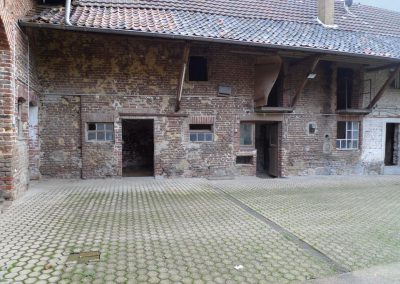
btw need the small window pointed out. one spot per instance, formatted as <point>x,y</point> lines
<point>312,128</point>
<point>20,131</point>
<point>396,82</point>
<point>100,131</point>
<point>246,134</point>
<point>198,68</point>
<point>201,132</point>
<point>347,135</point>
<point>244,160</point>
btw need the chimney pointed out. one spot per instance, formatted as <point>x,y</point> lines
<point>326,10</point>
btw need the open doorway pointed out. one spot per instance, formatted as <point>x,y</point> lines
<point>267,145</point>
<point>392,144</point>
<point>137,147</point>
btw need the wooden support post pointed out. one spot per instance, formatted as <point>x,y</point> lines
<point>315,60</point>
<point>185,60</point>
<point>384,88</point>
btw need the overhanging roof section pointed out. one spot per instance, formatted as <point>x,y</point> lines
<point>242,22</point>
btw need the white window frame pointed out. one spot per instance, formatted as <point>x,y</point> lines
<point>201,133</point>
<point>101,128</point>
<point>352,136</point>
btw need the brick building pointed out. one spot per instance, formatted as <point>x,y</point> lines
<point>197,89</point>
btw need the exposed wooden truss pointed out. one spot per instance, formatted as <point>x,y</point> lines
<point>314,62</point>
<point>384,87</point>
<point>185,59</point>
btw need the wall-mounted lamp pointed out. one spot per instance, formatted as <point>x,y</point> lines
<point>311,76</point>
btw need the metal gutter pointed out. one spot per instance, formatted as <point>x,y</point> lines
<point>201,39</point>
<point>67,12</point>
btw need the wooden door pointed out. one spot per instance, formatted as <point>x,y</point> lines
<point>273,150</point>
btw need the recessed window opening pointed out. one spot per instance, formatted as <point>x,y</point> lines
<point>100,131</point>
<point>201,132</point>
<point>20,131</point>
<point>274,98</point>
<point>244,160</point>
<point>347,135</point>
<point>198,68</point>
<point>396,82</point>
<point>246,134</point>
<point>344,93</point>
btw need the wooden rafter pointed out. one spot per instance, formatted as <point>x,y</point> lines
<point>384,87</point>
<point>314,62</point>
<point>185,59</point>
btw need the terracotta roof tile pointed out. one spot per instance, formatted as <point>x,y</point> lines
<point>290,23</point>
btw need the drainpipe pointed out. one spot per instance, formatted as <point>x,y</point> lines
<point>67,12</point>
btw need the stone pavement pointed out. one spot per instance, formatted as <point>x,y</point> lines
<point>355,221</point>
<point>199,231</point>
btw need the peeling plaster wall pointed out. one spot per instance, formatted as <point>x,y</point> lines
<point>387,110</point>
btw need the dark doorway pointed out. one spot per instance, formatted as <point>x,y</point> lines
<point>344,88</point>
<point>137,147</point>
<point>267,145</point>
<point>391,144</point>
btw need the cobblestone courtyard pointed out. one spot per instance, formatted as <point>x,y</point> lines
<point>246,230</point>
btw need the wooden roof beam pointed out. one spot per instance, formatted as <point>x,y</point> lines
<point>384,87</point>
<point>185,61</point>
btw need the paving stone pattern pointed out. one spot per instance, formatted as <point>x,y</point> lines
<point>148,231</point>
<point>353,220</point>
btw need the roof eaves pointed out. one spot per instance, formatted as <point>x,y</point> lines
<point>203,39</point>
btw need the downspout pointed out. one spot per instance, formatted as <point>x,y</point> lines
<point>67,12</point>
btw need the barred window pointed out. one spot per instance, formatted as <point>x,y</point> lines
<point>348,133</point>
<point>100,131</point>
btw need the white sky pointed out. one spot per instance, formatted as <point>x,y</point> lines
<point>387,4</point>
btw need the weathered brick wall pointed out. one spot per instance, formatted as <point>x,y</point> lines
<point>132,78</point>
<point>14,80</point>
<point>60,136</point>
<point>315,154</point>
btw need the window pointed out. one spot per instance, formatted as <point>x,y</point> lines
<point>396,82</point>
<point>347,135</point>
<point>244,160</point>
<point>201,132</point>
<point>100,131</point>
<point>198,69</point>
<point>19,118</point>
<point>344,88</point>
<point>246,134</point>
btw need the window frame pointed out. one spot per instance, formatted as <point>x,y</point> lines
<point>396,82</point>
<point>207,68</point>
<point>96,131</point>
<point>204,132</point>
<point>349,140</point>
<point>20,130</point>
<point>252,145</point>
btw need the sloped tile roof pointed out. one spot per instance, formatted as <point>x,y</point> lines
<point>280,23</point>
